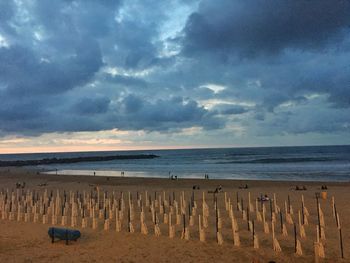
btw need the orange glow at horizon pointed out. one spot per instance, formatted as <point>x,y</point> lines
<point>58,149</point>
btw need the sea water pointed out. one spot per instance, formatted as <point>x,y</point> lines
<point>309,163</point>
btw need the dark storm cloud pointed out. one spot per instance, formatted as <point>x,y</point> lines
<point>311,119</point>
<point>23,74</point>
<point>20,110</point>
<point>127,81</point>
<point>257,26</point>
<point>234,110</point>
<point>6,10</point>
<point>164,114</point>
<point>133,47</point>
<point>91,106</point>
<point>95,65</point>
<point>293,48</point>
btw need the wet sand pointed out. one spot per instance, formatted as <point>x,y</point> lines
<point>29,242</point>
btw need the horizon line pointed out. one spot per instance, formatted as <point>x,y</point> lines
<point>172,148</point>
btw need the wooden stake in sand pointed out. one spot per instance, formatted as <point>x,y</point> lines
<point>340,237</point>
<point>249,222</point>
<point>258,214</point>
<point>27,214</point>
<point>190,217</point>
<point>45,219</point>
<point>146,198</point>
<point>276,207</point>
<point>94,221</point>
<point>321,223</point>
<point>255,237</point>
<point>64,218</point>
<point>36,215</point>
<point>19,212</point>
<point>275,243</point>
<point>219,238</point>
<point>157,232</point>
<point>130,225</point>
<point>118,224</point>
<point>165,217</point>
<point>301,226</point>
<point>84,222</point>
<point>290,208</point>
<point>205,212</point>
<point>305,212</point>
<point>219,219</point>
<point>171,227</point>
<point>336,216</point>
<point>185,232</point>
<point>144,229</point>
<point>297,245</point>
<point>250,205</point>
<point>106,221</point>
<point>318,247</point>
<point>281,222</point>
<point>201,230</point>
<point>283,226</point>
<point>289,218</point>
<point>271,212</point>
<point>319,219</point>
<point>236,239</point>
<point>266,225</point>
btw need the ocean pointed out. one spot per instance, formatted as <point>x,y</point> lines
<point>309,163</point>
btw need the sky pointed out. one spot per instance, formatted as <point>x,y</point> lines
<point>85,75</point>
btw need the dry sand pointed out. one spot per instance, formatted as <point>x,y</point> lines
<point>29,242</point>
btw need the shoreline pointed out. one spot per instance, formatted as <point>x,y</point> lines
<point>105,179</point>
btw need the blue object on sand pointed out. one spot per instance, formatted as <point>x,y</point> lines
<point>64,234</point>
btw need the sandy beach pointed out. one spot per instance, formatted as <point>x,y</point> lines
<point>29,242</point>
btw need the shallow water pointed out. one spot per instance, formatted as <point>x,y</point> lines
<point>313,163</point>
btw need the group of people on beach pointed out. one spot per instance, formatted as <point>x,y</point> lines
<point>174,177</point>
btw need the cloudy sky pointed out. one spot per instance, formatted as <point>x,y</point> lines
<point>144,74</point>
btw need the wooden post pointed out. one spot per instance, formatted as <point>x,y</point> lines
<point>341,243</point>
<point>129,221</point>
<point>302,211</point>
<point>184,226</point>
<point>281,219</point>
<point>276,245</point>
<point>218,233</point>
<point>248,219</point>
<point>336,216</point>
<point>271,209</point>
<point>295,238</point>
<point>318,217</point>
<point>253,230</point>
<point>302,233</point>
<point>266,225</point>
<point>288,204</point>
<point>201,230</point>
<point>251,208</point>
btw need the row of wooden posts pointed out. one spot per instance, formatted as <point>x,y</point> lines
<point>95,206</point>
